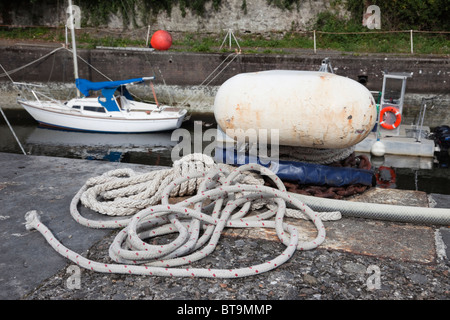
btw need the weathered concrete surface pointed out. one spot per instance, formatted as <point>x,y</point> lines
<point>44,184</point>
<point>48,184</point>
<point>363,237</point>
<point>394,197</point>
<point>401,241</point>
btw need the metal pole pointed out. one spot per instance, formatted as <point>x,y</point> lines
<point>74,45</point>
<point>6,119</point>
<point>411,39</point>
<point>14,134</point>
<point>148,36</point>
<point>234,37</point>
<point>314,41</point>
<point>67,38</point>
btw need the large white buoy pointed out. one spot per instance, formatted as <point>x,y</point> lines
<point>308,108</point>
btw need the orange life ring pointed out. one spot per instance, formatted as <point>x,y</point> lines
<point>398,118</point>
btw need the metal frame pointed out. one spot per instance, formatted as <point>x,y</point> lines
<point>403,76</point>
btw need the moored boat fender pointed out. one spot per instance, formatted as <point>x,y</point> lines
<point>385,177</point>
<point>308,108</point>
<point>398,118</point>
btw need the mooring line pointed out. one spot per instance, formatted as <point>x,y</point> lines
<point>220,202</point>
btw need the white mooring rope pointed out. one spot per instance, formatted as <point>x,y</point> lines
<point>139,203</point>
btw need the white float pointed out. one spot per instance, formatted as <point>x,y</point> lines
<point>308,108</point>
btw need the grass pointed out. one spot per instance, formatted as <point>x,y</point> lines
<point>372,42</point>
<point>271,43</point>
<point>368,42</point>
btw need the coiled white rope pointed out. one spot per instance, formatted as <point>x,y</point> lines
<point>123,192</point>
<point>221,201</point>
<point>314,155</point>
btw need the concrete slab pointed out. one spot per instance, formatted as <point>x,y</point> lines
<point>445,237</point>
<point>439,200</point>
<point>393,197</point>
<point>45,184</point>
<point>398,241</point>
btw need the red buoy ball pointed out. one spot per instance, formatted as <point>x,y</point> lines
<point>161,40</point>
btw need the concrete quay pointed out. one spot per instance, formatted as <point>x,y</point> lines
<point>411,260</point>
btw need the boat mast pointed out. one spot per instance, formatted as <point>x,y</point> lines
<point>74,45</point>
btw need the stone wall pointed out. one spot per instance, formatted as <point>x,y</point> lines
<point>258,17</point>
<point>430,74</point>
<point>179,74</point>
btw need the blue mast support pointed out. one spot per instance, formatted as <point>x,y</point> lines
<point>108,101</point>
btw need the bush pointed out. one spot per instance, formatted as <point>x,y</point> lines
<point>407,14</point>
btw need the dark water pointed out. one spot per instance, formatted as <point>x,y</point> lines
<point>156,148</point>
<point>145,148</point>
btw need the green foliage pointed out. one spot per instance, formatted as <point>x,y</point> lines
<point>98,11</point>
<point>371,41</point>
<point>197,43</point>
<point>274,41</point>
<point>40,33</point>
<point>330,22</point>
<point>407,14</point>
<point>284,4</point>
<point>395,14</point>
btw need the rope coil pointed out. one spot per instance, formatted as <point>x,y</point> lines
<point>221,202</point>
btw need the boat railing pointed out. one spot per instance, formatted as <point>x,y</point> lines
<point>28,91</point>
<point>418,128</point>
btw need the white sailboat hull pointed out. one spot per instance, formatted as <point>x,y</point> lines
<point>134,122</point>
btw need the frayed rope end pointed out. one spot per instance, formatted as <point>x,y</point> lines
<point>32,218</point>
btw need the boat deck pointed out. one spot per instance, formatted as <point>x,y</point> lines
<point>404,144</point>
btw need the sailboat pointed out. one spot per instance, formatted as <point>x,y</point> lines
<point>112,110</point>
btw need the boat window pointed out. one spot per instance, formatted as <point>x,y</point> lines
<point>76,107</point>
<point>393,90</point>
<point>95,109</point>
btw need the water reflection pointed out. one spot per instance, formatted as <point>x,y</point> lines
<point>142,148</point>
<point>97,146</point>
<point>156,148</point>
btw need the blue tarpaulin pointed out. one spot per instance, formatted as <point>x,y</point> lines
<point>301,172</point>
<point>85,85</point>
<point>108,89</point>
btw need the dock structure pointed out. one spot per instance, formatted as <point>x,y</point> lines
<point>405,144</point>
<point>48,184</point>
